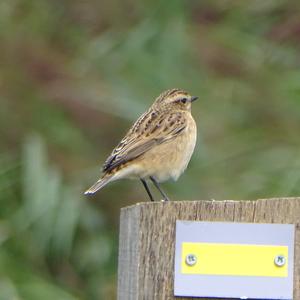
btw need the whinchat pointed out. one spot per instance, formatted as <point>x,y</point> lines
<point>158,146</point>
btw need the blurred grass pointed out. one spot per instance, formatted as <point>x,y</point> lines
<point>74,75</point>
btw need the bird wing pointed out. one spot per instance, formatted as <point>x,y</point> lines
<point>149,130</point>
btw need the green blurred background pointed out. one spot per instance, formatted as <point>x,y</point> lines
<point>74,75</point>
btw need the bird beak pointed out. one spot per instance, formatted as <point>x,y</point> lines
<point>194,98</point>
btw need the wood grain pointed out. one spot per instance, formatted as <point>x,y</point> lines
<point>147,239</point>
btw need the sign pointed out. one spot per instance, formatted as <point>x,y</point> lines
<point>234,260</point>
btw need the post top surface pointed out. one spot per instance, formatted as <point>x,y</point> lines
<point>204,201</point>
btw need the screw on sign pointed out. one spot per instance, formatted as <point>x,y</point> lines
<point>279,260</point>
<point>191,259</point>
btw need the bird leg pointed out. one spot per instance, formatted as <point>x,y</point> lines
<point>147,189</point>
<point>159,188</point>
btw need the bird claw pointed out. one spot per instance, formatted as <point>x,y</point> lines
<point>164,200</point>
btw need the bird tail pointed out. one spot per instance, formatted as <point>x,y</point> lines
<point>98,185</point>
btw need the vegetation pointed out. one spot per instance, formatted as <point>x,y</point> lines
<point>74,75</point>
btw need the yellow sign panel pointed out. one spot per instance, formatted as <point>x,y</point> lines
<point>234,259</point>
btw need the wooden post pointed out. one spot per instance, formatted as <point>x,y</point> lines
<point>147,236</point>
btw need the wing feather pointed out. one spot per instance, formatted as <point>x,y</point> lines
<point>149,130</point>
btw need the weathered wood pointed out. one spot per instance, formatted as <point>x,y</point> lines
<point>147,236</point>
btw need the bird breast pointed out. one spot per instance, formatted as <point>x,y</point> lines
<point>170,159</point>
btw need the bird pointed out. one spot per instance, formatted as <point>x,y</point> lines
<point>157,147</point>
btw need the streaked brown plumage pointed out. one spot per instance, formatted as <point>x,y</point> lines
<point>158,146</point>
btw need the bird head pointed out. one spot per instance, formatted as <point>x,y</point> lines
<point>174,99</point>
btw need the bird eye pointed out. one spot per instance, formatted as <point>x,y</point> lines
<point>183,100</point>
